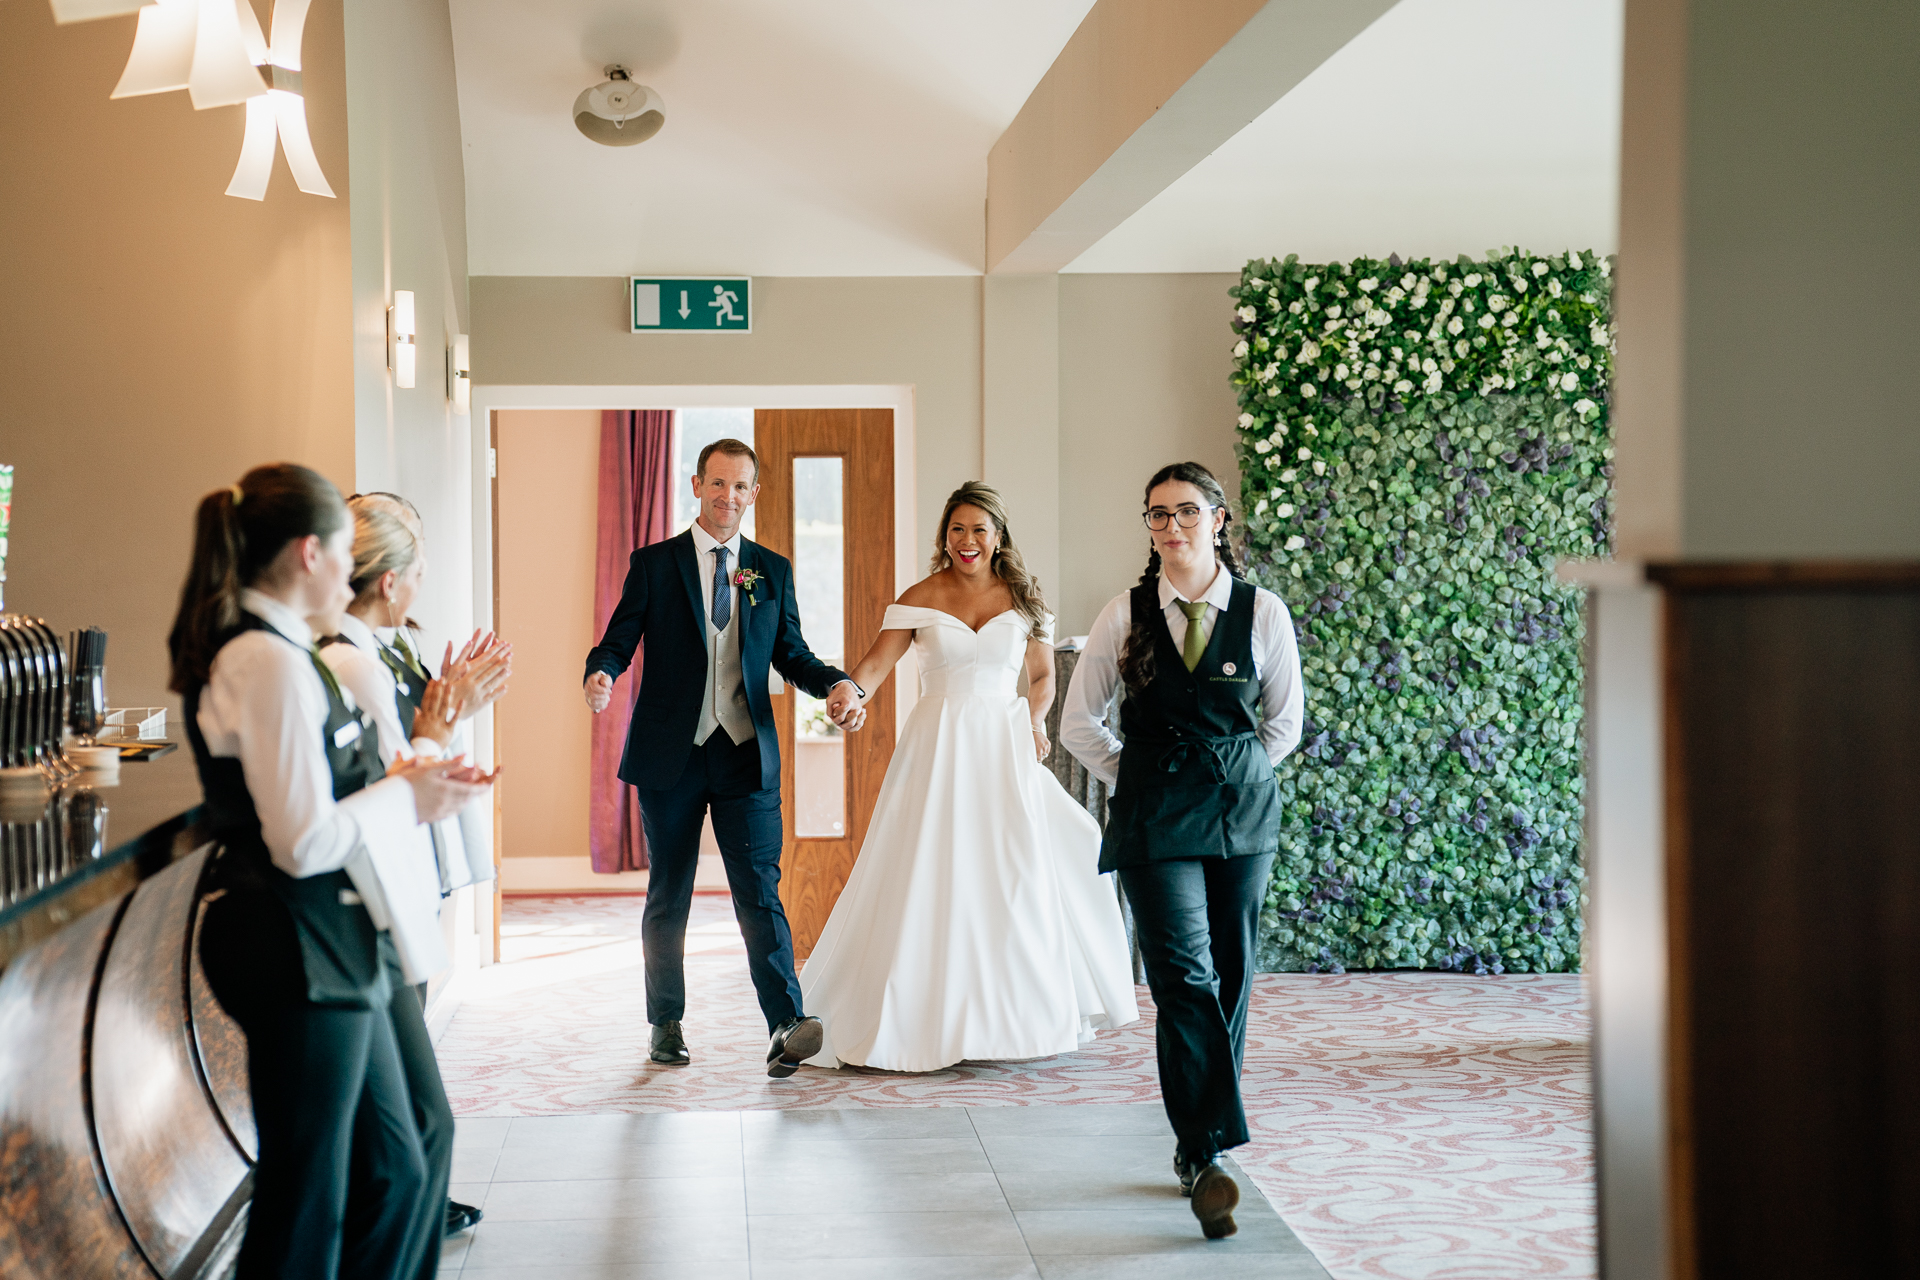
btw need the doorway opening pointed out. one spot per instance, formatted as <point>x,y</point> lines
<point>537,570</point>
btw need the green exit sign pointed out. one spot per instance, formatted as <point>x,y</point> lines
<point>691,304</point>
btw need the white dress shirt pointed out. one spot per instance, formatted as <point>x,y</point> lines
<point>265,705</point>
<point>703,548</point>
<point>1086,730</point>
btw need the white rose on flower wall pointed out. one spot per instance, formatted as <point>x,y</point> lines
<point>1295,543</point>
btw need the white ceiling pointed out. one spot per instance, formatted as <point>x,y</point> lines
<point>1447,127</point>
<point>849,137</point>
<point>835,137</point>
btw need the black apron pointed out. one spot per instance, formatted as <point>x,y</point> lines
<point>339,949</point>
<point>1194,780</point>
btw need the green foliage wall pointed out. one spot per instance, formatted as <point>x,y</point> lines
<point>1419,443</point>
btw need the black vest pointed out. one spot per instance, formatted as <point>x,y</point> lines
<point>338,943</point>
<point>1194,780</point>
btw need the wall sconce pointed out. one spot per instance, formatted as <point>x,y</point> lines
<point>460,375</point>
<point>400,349</point>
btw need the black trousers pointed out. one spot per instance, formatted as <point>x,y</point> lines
<point>725,778</point>
<point>432,1113</point>
<point>340,1191</point>
<point>1195,919</point>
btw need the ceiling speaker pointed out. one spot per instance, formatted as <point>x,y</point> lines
<point>618,112</point>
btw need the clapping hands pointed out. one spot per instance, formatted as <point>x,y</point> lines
<point>478,673</point>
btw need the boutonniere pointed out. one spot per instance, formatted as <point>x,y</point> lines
<point>749,580</point>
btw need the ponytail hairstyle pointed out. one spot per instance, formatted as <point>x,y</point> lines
<point>1136,658</point>
<point>1007,564</point>
<point>237,532</point>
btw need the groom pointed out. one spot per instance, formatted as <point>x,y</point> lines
<point>715,611</point>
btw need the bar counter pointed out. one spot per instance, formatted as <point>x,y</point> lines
<point>140,824</point>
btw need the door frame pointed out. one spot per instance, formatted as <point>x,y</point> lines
<point>909,556</point>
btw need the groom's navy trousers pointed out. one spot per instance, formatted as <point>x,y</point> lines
<point>725,778</point>
<point>678,781</point>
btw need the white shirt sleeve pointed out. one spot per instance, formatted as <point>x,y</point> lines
<point>265,705</point>
<point>1276,657</point>
<point>1084,730</point>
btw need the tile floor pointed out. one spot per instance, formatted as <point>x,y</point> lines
<point>914,1193</point>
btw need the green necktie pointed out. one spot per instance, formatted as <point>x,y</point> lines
<point>1196,641</point>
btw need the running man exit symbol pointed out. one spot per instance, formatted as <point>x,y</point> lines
<point>691,304</point>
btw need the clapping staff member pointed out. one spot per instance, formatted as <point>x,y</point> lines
<point>306,820</point>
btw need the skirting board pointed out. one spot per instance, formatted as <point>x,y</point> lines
<point>576,875</point>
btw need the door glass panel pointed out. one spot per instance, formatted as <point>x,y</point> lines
<point>694,430</point>
<point>819,571</point>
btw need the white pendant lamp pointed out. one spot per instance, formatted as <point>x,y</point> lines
<point>65,11</point>
<point>214,49</point>
<point>162,57</point>
<point>223,70</point>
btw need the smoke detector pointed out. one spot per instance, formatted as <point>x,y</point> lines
<point>618,112</point>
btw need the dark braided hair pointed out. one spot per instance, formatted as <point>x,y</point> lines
<point>1136,659</point>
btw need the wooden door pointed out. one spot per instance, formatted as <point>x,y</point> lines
<point>826,503</point>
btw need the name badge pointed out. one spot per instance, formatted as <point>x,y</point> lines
<point>346,733</point>
<point>348,898</point>
<point>401,685</point>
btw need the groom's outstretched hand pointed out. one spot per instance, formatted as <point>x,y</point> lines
<point>599,691</point>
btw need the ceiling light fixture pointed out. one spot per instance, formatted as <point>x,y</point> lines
<point>619,112</point>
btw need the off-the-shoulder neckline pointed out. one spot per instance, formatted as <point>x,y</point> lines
<point>943,613</point>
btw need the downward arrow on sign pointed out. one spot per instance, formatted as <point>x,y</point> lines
<point>685,310</point>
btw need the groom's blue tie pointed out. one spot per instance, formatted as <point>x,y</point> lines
<point>722,593</point>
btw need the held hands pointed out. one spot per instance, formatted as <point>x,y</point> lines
<point>845,708</point>
<point>440,709</point>
<point>599,692</point>
<point>441,788</point>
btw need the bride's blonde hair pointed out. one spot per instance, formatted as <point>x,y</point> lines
<point>1007,564</point>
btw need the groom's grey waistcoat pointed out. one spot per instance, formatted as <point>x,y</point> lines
<point>724,704</point>
<point>661,604</point>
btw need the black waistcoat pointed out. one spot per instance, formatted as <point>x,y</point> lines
<point>1194,780</point>
<point>338,943</point>
<point>409,683</point>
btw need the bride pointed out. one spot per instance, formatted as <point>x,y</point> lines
<point>975,923</point>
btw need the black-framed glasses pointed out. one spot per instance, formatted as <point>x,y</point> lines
<point>1186,514</point>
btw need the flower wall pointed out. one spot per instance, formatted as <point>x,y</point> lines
<point>1419,443</point>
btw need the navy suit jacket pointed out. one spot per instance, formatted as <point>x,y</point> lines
<point>661,604</point>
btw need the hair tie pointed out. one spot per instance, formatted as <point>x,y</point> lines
<point>237,492</point>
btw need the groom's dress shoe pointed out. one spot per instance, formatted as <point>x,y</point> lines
<point>794,1041</point>
<point>1215,1196</point>
<point>668,1048</point>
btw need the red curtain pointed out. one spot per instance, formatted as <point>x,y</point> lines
<point>636,508</point>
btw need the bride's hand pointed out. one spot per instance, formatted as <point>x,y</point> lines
<point>1041,747</point>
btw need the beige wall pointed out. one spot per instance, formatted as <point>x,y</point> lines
<point>157,336</point>
<point>1144,363</point>
<point>912,330</point>
<point>549,468</point>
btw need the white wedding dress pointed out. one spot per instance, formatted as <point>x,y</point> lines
<point>975,923</point>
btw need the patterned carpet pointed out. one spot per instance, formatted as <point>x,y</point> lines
<point>1414,1126</point>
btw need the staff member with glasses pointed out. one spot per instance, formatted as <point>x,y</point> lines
<point>1212,703</point>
